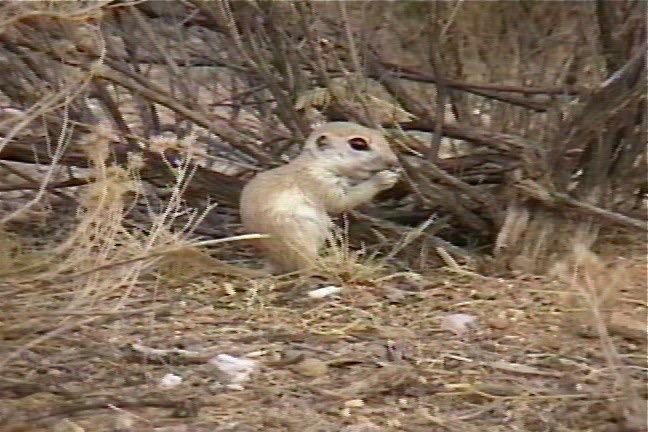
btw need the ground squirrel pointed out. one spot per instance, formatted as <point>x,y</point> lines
<point>341,166</point>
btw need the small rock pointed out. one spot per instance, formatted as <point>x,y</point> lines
<point>324,292</point>
<point>170,380</point>
<point>311,367</point>
<point>498,323</point>
<point>458,323</point>
<point>233,370</point>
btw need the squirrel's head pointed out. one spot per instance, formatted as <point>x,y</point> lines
<point>350,149</point>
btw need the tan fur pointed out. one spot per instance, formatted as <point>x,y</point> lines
<point>293,203</point>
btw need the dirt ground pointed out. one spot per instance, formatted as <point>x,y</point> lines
<point>442,351</point>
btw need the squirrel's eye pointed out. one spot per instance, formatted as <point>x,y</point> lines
<point>359,143</point>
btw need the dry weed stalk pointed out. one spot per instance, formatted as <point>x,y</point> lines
<point>594,290</point>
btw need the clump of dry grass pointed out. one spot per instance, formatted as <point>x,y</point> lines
<point>341,262</point>
<point>103,266</point>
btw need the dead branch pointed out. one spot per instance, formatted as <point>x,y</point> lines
<point>50,187</point>
<point>557,200</point>
<point>495,94</point>
<point>204,184</point>
<point>408,73</point>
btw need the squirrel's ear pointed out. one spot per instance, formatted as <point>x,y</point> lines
<point>322,141</point>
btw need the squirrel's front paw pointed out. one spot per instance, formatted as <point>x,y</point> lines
<point>386,178</point>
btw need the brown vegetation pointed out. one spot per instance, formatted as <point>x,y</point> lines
<point>128,128</point>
